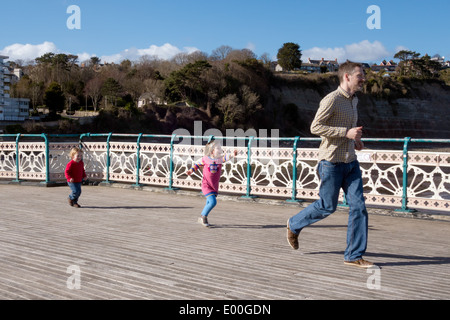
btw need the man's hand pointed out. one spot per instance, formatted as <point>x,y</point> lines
<point>359,145</point>
<point>354,133</point>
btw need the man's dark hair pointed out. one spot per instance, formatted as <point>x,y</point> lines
<point>347,67</point>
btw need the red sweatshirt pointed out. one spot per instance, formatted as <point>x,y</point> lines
<point>75,170</point>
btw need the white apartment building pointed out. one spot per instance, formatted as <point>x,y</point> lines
<point>11,109</point>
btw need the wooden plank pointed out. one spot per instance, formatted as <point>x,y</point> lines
<point>134,244</point>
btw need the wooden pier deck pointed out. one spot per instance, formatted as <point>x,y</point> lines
<point>141,244</point>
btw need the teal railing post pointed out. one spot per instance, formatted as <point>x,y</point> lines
<point>249,169</point>
<point>344,201</point>
<point>171,164</point>
<point>294,172</point>
<point>108,159</point>
<point>80,140</point>
<point>138,161</point>
<point>47,160</point>
<point>17,159</point>
<point>405,178</point>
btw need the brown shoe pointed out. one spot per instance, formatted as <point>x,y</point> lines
<point>70,202</point>
<point>359,263</point>
<point>292,238</point>
<point>76,205</point>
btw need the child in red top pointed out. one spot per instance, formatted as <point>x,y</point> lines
<point>212,163</point>
<point>75,175</point>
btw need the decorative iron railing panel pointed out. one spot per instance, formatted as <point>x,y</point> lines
<point>394,178</point>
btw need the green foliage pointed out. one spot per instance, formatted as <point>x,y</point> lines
<point>289,56</point>
<point>381,86</point>
<point>111,90</point>
<point>445,76</point>
<point>54,98</point>
<point>185,83</point>
<point>412,66</point>
<point>405,55</point>
<point>61,59</point>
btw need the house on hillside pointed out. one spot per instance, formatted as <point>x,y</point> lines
<point>441,60</point>
<point>310,67</point>
<point>331,65</point>
<point>149,98</point>
<point>438,58</point>
<point>388,66</point>
<point>278,68</point>
<point>315,66</point>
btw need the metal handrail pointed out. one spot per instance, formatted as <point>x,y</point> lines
<point>407,141</point>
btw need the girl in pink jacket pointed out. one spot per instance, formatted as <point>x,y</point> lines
<point>212,168</point>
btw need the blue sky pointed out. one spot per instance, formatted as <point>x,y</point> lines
<point>114,30</point>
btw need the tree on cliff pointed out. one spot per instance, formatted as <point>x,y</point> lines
<point>186,83</point>
<point>413,66</point>
<point>54,98</point>
<point>60,65</point>
<point>111,90</point>
<point>289,56</point>
<point>93,89</point>
<point>405,57</point>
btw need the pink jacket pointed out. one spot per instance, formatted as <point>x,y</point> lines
<point>212,169</point>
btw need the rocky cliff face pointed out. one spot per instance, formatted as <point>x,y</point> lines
<point>417,109</point>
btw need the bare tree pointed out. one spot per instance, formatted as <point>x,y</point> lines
<point>221,52</point>
<point>231,109</point>
<point>240,55</point>
<point>155,88</point>
<point>266,59</point>
<point>93,90</point>
<point>134,86</point>
<point>250,101</point>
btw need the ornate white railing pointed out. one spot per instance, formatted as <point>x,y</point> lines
<point>399,179</point>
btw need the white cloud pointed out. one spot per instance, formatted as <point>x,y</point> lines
<point>84,56</point>
<point>29,52</point>
<point>251,46</point>
<point>400,48</point>
<point>364,51</point>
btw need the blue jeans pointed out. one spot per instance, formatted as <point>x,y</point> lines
<point>210,204</point>
<point>335,176</point>
<point>76,191</point>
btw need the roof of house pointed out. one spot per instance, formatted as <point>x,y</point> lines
<point>323,61</point>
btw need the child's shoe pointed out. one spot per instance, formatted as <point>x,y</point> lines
<point>203,220</point>
<point>70,202</point>
<point>76,205</point>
